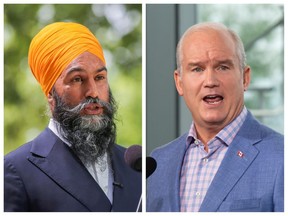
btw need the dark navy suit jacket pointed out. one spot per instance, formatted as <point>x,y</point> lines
<point>44,175</point>
<point>253,182</point>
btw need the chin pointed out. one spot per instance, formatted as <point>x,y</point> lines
<point>214,117</point>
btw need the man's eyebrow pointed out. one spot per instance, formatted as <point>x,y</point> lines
<point>226,61</point>
<point>195,63</point>
<point>74,69</point>
<point>80,69</point>
<point>102,69</point>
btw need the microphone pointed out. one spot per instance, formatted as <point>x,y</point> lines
<point>133,158</point>
<point>151,166</point>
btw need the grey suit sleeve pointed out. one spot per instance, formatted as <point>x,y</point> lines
<point>15,198</point>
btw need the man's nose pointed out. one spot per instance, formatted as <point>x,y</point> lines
<point>91,89</point>
<point>211,79</point>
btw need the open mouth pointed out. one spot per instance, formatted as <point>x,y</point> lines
<point>93,109</point>
<point>213,99</point>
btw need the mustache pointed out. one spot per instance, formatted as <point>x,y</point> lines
<point>76,109</point>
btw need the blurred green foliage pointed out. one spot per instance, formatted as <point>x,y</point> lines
<point>119,30</point>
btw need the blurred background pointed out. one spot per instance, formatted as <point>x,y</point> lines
<point>119,30</point>
<point>261,28</point>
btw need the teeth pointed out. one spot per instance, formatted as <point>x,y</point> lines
<point>214,102</point>
<point>213,99</point>
<point>212,96</point>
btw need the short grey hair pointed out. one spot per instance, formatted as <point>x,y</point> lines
<point>218,27</point>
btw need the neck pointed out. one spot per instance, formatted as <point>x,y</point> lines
<point>205,134</point>
<point>207,131</point>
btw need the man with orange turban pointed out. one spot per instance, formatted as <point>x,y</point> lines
<point>74,164</point>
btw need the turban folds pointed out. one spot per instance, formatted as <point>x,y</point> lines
<point>55,47</point>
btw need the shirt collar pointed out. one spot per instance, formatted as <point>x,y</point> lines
<point>54,126</point>
<point>226,135</point>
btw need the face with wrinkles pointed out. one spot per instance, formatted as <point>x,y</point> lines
<point>211,79</point>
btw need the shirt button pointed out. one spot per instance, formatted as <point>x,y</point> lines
<point>196,142</point>
<point>197,194</point>
<point>205,160</point>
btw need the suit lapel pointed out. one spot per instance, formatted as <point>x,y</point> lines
<point>241,153</point>
<point>55,158</point>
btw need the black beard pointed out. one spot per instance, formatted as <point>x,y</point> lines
<point>90,136</point>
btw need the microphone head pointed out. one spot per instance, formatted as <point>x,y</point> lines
<point>133,157</point>
<point>151,165</point>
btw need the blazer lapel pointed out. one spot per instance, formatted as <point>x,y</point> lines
<point>56,159</point>
<point>241,153</point>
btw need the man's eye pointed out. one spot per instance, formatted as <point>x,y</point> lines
<point>197,69</point>
<point>223,67</point>
<point>77,79</point>
<point>100,77</point>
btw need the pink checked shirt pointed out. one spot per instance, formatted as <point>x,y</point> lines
<point>199,167</point>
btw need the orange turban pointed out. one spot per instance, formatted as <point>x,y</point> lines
<point>55,47</point>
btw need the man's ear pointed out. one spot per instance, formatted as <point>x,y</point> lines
<point>178,82</point>
<point>51,100</point>
<point>246,77</point>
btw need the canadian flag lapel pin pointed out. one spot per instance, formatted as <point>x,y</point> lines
<point>240,154</point>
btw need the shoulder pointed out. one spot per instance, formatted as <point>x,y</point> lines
<point>268,143</point>
<point>272,137</point>
<point>118,152</point>
<point>118,148</point>
<point>173,146</point>
<point>271,145</point>
<point>20,153</point>
<point>252,129</point>
<point>46,136</point>
<point>41,146</point>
